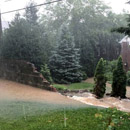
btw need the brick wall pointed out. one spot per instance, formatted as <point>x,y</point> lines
<point>125,52</point>
<point>23,72</point>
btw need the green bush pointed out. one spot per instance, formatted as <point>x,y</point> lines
<point>46,73</point>
<point>109,68</point>
<point>100,79</point>
<point>128,78</point>
<point>119,80</point>
<point>84,75</point>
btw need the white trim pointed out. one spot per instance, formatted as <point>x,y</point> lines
<point>125,39</point>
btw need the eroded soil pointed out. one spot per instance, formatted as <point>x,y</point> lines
<point>15,91</point>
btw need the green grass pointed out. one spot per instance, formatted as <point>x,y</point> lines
<point>74,86</point>
<point>17,109</point>
<point>75,119</point>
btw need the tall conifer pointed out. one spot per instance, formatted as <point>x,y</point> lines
<point>100,79</point>
<point>119,80</point>
<point>64,63</point>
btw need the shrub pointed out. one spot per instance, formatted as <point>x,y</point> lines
<point>100,80</point>
<point>128,78</point>
<point>110,66</point>
<point>46,73</point>
<point>84,75</point>
<point>119,80</point>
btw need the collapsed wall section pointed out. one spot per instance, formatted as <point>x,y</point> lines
<point>23,72</point>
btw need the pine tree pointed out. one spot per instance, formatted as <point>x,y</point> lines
<point>119,80</point>
<point>100,79</point>
<point>124,30</point>
<point>64,63</point>
<point>20,42</point>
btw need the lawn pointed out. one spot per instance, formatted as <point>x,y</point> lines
<point>74,119</point>
<point>17,109</point>
<point>74,86</point>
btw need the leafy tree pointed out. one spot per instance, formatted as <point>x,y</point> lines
<point>46,73</point>
<point>90,23</point>
<point>100,79</point>
<point>31,14</point>
<point>64,63</point>
<point>119,80</point>
<point>88,59</point>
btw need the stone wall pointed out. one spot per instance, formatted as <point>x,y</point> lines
<point>23,72</point>
<point>125,52</point>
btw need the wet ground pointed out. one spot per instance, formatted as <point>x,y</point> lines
<point>15,91</point>
<point>19,92</point>
<point>107,101</point>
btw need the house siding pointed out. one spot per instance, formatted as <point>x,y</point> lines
<point>125,53</point>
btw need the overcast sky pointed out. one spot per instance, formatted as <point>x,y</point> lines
<point>117,6</point>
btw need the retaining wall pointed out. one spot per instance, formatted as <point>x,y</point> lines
<point>23,72</point>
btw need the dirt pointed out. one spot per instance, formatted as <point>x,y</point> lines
<point>15,91</point>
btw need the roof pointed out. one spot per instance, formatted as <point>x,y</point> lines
<point>125,39</point>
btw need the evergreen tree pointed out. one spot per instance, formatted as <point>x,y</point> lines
<point>26,39</point>
<point>20,42</point>
<point>124,30</point>
<point>64,63</point>
<point>100,79</point>
<point>119,80</point>
<point>46,73</point>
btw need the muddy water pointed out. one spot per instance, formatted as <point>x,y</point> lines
<point>123,105</point>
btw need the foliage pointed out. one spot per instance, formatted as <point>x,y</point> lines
<point>31,14</point>
<point>124,30</point>
<point>64,63</point>
<point>20,42</point>
<point>46,73</point>
<point>76,119</point>
<point>100,79</point>
<point>119,80</point>
<point>74,86</point>
<point>84,75</point>
<point>90,23</point>
<point>128,78</point>
<point>25,39</point>
<point>112,119</point>
<point>110,66</point>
